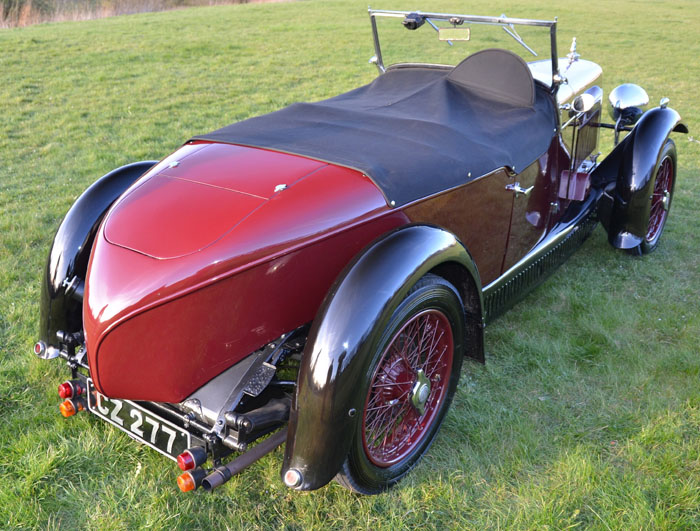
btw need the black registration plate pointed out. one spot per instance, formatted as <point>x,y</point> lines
<point>158,433</point>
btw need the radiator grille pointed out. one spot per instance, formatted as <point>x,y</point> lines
<point>586,139</point>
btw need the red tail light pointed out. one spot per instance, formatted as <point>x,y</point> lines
<point>185,461</point>
<point>192,458</point>
<point>65,390</point>
<point>71,389</point>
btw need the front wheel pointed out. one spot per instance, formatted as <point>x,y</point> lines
<point>662,194</point>
<point>411,381</point>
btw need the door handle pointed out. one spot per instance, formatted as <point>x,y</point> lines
<point>515,187</point>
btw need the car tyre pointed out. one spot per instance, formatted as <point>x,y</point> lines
<point>409,386</point>
<point>660,200</point>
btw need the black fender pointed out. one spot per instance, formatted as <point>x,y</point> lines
<point>61,292</point>
<point>333,376</point>
<point>625,212</point>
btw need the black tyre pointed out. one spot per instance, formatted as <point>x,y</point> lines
<point>662,194</point>
<point>410,384</point>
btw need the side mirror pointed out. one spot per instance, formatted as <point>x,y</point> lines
<point>627,103</point>
<point>583,103</point>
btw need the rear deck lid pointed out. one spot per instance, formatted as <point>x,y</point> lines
<point>197,195</point>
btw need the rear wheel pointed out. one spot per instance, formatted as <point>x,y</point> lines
<point>662,194</point>
<point>411,381</point>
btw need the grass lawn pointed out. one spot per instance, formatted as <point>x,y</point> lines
<point>587,413</point>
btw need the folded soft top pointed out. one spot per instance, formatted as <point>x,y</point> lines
<point>413,131</point>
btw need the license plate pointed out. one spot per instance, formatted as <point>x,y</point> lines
<point>139,423</point>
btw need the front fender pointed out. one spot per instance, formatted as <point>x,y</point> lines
<point>636,158</point>
<point>333,375</point>
<point>70,251</point>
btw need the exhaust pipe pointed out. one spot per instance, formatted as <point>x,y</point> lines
<point>222,474</point>
<point>274,412</point>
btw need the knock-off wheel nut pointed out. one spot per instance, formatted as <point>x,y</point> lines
<point>420,392</point>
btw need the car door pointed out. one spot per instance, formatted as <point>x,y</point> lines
<point>478,213</point>
<point>533,200</point>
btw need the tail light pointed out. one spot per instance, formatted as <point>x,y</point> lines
<point>185,461</point>
<point>190,480</point>
<point>192,458</point>
<point>45,352</point>
<point>71,406</point>
<point>39,348</point>
<point>71,389</point>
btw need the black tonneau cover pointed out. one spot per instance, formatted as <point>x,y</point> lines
<point>413,131</point>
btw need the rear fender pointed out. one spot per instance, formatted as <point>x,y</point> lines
<point>61,304</point>
<point>334,372</point>
<point>625,211</point>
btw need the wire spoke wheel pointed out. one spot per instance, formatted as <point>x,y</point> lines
<point>660,199</point>
<point>410,380</point>
<point>407,388</point>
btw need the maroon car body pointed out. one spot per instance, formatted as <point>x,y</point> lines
<point>214,245</point>
<point>230,290</point>
<point>221,271</point>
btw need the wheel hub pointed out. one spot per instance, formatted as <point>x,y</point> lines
<point>420,392</point>
<point>666,200</point>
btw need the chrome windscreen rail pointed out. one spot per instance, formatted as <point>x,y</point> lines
<point>502,21</point>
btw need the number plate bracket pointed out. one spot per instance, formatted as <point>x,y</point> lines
<point>139,423</point>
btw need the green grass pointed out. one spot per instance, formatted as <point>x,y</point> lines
<point>587,414</point>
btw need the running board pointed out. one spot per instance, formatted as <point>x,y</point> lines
<point>536,266</point>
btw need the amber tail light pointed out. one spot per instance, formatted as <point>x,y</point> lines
<point>191,480</point>
<point>71,406</point>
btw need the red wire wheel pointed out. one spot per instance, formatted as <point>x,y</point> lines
<point>661,196</point>
<point>660,199</point>
<point>410,381</point>
<point>407,388</point>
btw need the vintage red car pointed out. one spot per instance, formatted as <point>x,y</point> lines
<point>316,276</point>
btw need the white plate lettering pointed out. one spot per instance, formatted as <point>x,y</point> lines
<point>154,428</point>
<point>140,423</point>
<point>136,425</point>
<point>117,408</point>
<point>171,437</point>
